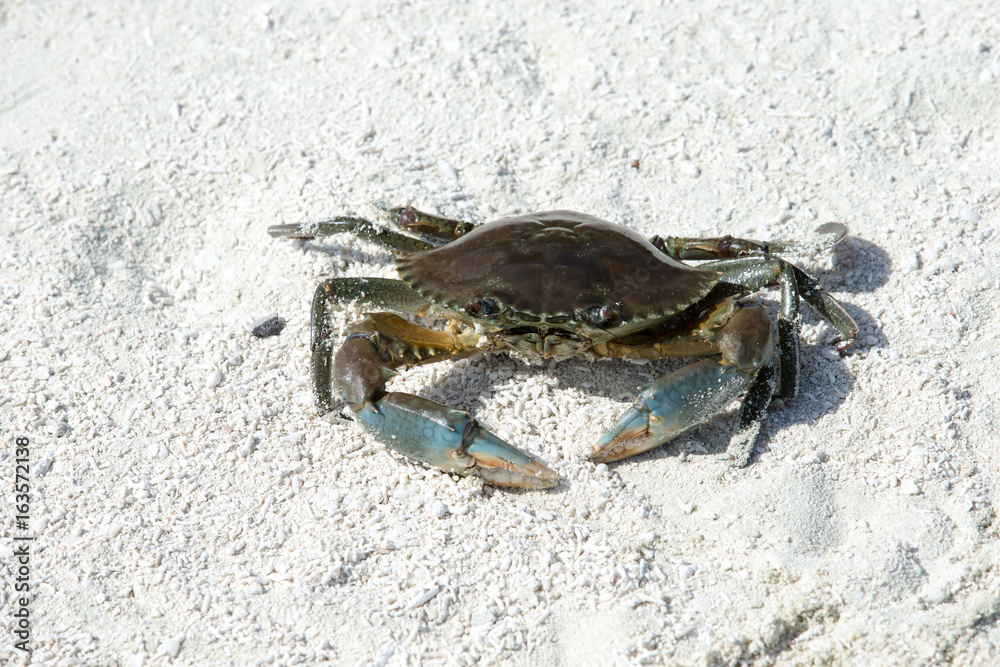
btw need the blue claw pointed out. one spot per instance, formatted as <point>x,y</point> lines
<point>451,440</point>
<point>669,406</point>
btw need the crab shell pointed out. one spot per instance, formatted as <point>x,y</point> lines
<point>555,269</point>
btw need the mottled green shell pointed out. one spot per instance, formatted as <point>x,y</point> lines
<point>551,266</point>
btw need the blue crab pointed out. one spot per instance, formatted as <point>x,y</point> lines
<point>556,284</point>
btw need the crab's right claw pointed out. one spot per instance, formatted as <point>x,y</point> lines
<point>451,440</point>
<point>669,406</point>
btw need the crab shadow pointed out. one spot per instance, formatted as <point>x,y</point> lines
<point>860,266</point>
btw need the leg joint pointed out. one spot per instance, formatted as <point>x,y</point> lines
<point>747,340</point>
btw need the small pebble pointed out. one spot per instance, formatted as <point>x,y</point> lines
<point>44,463</point>
<point>937,594</point>
<point>971,215</point>
<point>910,488</point>
<point>56,428</point>
<point>910,261</point>
<point>439,509</point>
<point>690,169</point>
<point>171,646</point>
<point>483,616</point>
<point>526,595</point>
<point>214,380</point>
<point>449,172</point>
<point>185,336</point>
<point>267,326</point>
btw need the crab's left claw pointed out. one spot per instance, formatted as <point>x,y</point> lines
<point>669,406</point>
<point>451,440</point>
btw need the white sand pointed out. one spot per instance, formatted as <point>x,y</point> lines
<point>190,506</point>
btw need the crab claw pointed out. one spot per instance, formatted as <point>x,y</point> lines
<point>669,406</point>
<point>451,440</point>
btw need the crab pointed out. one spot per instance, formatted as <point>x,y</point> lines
<point>553,285</point>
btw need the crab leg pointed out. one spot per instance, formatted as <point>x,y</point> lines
<point>727,247</point>
<point>360,227</point>
<point>435,229</point>
<point>419,428</point>
<point>788,337</point>
<point>754,274</point>
<point>752,414</point>
<point>691,395</point>
<point>376,292</point>
<point>432,227</point>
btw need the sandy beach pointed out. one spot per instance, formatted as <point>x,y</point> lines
<point>188,503</point>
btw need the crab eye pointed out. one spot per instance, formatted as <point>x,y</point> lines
<point>601,315</point>
<point>485,307</point>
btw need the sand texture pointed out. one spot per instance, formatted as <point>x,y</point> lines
<point>189,504</point>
